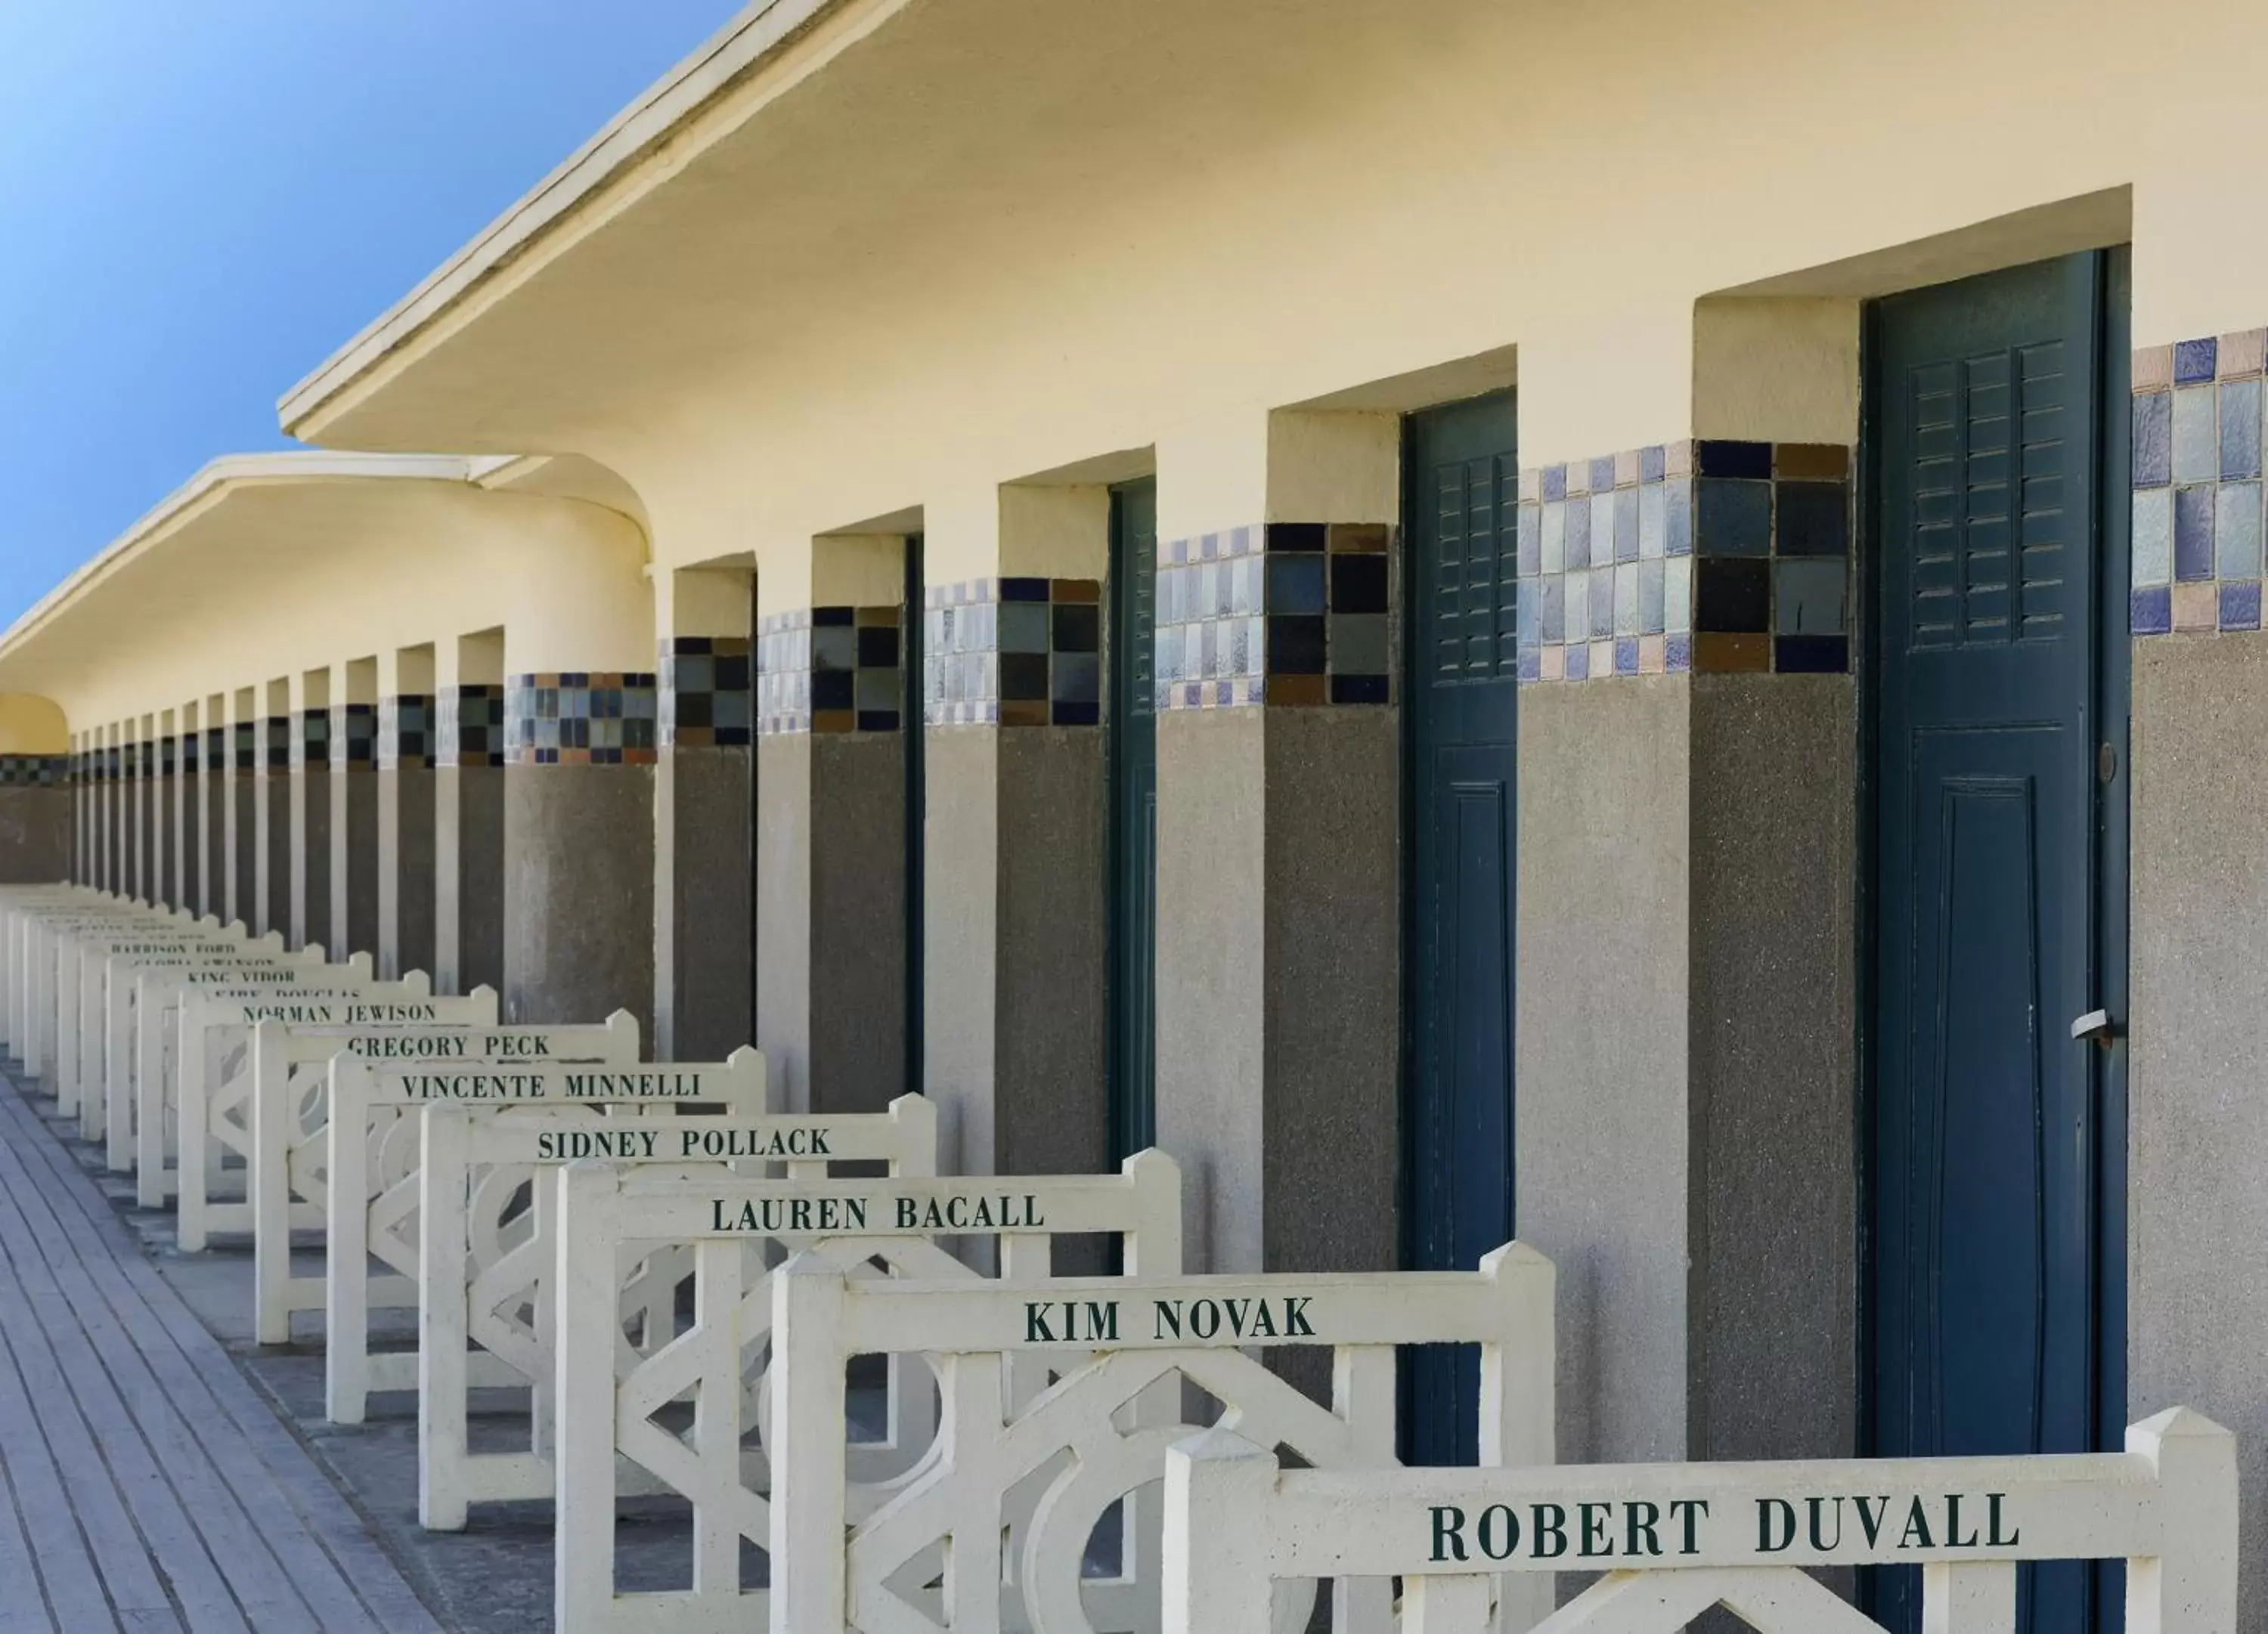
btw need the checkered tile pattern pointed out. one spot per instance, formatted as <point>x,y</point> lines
<point>1014,651</point>
<point>708,691</point>
<point>1291,614</point>
<point>354,736</point>
<point>405,731</point>
<point>2198,464</point>
<point>39,771</point>
<point>311,744</point>
<point>1715,556</point>
<point>580,717</point>
<point>831,669</point>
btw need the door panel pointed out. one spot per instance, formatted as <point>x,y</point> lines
<point>1133,814</point>
<point>1984,402</point>
<point>1461,690</point>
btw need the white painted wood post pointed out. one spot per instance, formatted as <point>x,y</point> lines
<point>443,1324</point>
<point>806,1383</point>
<point>1958,1598</point>
<point>268,1182</point>
<point>2190,1585</point>
<point>583,1510</point>
<point>346,1246</point>
<point>1519,1410</point>
<point>1217,1485</point>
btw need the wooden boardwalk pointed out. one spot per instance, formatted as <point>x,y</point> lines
<point>144,1485</point>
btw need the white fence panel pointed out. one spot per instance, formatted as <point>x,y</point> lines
<point>480,1285</point>
<point>871,1231</point>
<point>373,1170</point>
<point>288,1154</point>
<point>1673,1540</point>
<point>202,1089</point>
<point>995,1531</point>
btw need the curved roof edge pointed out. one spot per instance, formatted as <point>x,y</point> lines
<point>229,470</point>
<point>760,32</point>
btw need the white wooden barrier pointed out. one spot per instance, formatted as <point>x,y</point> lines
<point>81,990</point>
<point>1675,1540</point>
<point>289,1159</point>
<point>199,1098</point>
<point>994,1532</point>
<point>32,974</point>
<point>375,1173</point>
<point>481,1286</point>
<point>874,1231</point>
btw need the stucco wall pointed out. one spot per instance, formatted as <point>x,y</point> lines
<point>2196,1320</point>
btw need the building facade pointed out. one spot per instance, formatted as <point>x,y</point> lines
<point>1633,623</point>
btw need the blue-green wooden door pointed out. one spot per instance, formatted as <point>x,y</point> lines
<point>1461,483</point>
<point>1996,750</point>
<point>1133,895</point>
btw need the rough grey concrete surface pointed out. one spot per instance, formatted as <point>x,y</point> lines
<point>213,882</point>
<point>406,881</point>
<point>275,851</point>
<point>1331,1122</point>
<point>244,854</point>
<point>36,836</point>
<point>1212,976</point>
<point>2197,1126</point>
<point>858,925</point>
<point>478,808</point>
<point>310,857</point>
<point>578,893</point>
<point>783,885</point>
<point>1772,1320</point>
<point>1601,1004</point>
<point>960,928</point>
<point>710,865</point>
<point>354,860</point>
<point>1051,1103</point>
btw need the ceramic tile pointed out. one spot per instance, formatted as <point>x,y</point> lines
<point>1602,527</point>
<point>1650,655</point>
<point>1722,458</point>
<point>2236,531</point>
<point>1812,520</point>
<point>1677,596</point>
<point>2240,429</point>
<point>1732,595</point>
<point>2153,368</point>
<point>1808,596</point>
<point>2153,440</point>
<point>1649,597</point>
<point>1625,525</point>
<point>2196,607</point>
<point>1579,533</point>
<point>1734,519</point>
<point>1602,602</point>
<point>2239,353</point>
<point>2153,536</point>
<point>2150,611</point>
<point>2240,604</point>
<point>1627,620</point>
<point>1653,521</point>
<point>2193,513</point>
<point>1555,538</point>
<point>2193,360</point>
<point>2196,439</point>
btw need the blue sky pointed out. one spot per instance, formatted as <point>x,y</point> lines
<point>199,202</point>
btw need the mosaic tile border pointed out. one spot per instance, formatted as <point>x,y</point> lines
<point>708,691</point>
<point>244,750</point>
<point>168,753</point>
<point>311,742</point>
<point>1013,652</point>
<point>2197,452</point>
<point>470,727</point>
<point>217,756</point>
<point>35,771</point>
<point>580,717</point>
<point>276,742</point>
<point>831,669</point>
<point>1716,557</point>
<point>354,737</point>
<point>189,752</point>
<point>405,731</point>
<point>1284,613</point>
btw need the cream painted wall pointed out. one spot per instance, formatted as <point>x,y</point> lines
<point>1400,188</point>
<point>269,580</point>
<point>31,725</point>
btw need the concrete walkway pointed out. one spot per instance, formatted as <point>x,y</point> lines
<point>144,1484</point>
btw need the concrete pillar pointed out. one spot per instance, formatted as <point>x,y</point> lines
<point>353,807</point>
<point>310,839</point>
<point>1278,950</point>
<point>213,882</point>
<point>830,826</point>
<point>468,813</point>
<point>188,804</point>
<point>405,811</point>
<point>36,801</point>
<point>272,802</point>
<point>704,853</point>
<point>243,806</point>
<point>165,831</point>
<point>1016,852</point>
<point>580,728</point>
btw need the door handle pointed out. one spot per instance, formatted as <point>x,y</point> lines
<point>2097,1027</point>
